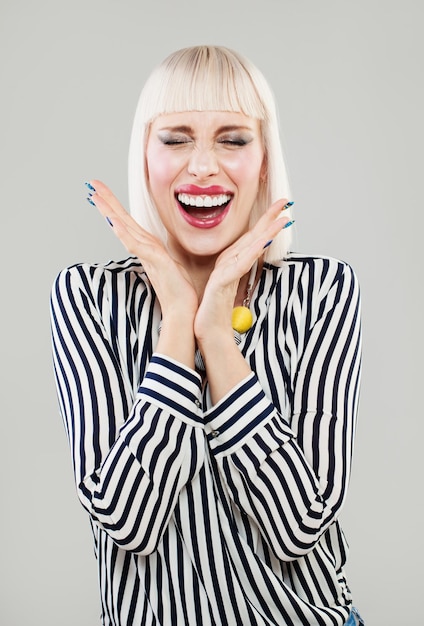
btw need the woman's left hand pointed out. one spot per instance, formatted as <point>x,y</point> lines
<point>225,365</point>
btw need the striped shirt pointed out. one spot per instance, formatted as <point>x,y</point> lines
<point>202,514</point>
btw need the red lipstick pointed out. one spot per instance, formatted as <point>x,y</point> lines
<point>194,190</point>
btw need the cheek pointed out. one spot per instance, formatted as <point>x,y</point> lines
<point>161,170</point>
<point>245,168</point>
<point>157,177</point>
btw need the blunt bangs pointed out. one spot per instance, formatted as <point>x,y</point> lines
<point>202,79</point>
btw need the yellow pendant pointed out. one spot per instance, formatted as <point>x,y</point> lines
<point>241,319</point>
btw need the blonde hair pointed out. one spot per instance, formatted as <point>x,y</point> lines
<point>207,78</point>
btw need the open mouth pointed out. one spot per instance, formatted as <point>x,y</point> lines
<point>204,207</point>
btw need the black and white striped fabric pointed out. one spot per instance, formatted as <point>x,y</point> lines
<point>208,514</point>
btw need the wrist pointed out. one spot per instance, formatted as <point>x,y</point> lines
<point>225,366</point>
<point>216,340</point>
<point>176,339</point>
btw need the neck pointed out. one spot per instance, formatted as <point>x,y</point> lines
<point>200,269</point>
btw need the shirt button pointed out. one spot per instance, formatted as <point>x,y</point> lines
<point>197,403</point>
<point>215,433</point>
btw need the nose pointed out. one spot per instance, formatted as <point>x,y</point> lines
<point>203,163</point>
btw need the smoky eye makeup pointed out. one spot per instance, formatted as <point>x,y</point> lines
<point>235,138</point>
<point>231,137</point>
<point>173,138</point>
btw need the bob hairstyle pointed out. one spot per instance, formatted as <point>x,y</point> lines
<point>207,78</point>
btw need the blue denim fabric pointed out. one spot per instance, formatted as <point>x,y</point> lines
<point>355,619</point>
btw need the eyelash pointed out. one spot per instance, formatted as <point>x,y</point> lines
<point>229,142</point>
<point>234,142</point>
<point>174,142</point>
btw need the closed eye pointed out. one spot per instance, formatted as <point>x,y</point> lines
<point>237,140</point>
<point>173,139</point>
<point>233,142</point>
<point>175,142</point>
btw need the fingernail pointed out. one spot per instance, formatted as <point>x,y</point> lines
<point>90,201</point>
<point>288,224</point>
<point>108,220</point>
<point>288,205</point>
<point>268,243</point>
<point>91,188</point>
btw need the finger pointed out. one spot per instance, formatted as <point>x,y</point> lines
<point>130,233</point>
<point>276,211</point>
<point>265,229</point>
<point>112,213</point>
<point>108,204</point>
<point>240,258</point>
<point>118,215</point>
<point>106,194</point>
<point>258,245</point>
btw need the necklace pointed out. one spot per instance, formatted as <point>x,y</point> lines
<point>241,318</point>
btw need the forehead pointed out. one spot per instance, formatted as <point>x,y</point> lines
<point>206,121</point>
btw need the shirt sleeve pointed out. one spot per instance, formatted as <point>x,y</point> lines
<point>290,473</point>
<point>131,454</point>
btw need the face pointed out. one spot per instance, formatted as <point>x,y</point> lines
<point>204,170</point>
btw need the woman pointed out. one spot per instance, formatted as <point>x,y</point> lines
<point>209,382</point>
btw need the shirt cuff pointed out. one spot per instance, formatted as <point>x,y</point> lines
<point>237,416</point>
<point>172,386</point>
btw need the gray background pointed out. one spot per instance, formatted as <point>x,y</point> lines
<point>348,77</point>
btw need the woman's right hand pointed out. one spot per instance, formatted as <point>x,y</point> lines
<point>177,296</point>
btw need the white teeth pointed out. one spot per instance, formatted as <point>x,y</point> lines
<point>203,201</point>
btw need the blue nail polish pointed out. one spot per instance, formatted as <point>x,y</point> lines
<point>288,205</point>
<point>288,224</point>
<point>109,221</point>
<point>90,201</point>
<point>268,243</point>
<point>91,188</point>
